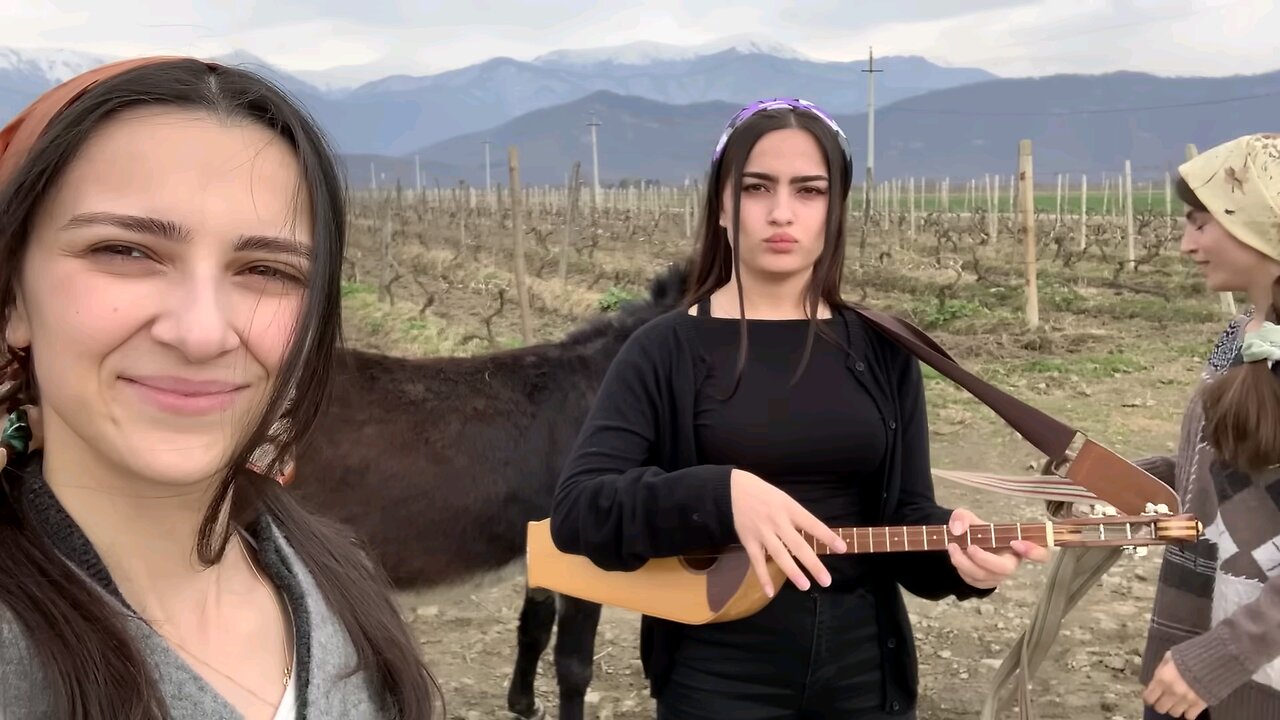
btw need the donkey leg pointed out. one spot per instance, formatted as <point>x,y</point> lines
<point>537,617</point>
<point>574,654</point>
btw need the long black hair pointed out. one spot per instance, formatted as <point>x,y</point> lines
<point>94,670</point>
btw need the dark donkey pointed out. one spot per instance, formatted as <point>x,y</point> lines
<point>439,463</point>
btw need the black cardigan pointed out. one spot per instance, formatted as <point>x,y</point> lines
<point>633,488</point>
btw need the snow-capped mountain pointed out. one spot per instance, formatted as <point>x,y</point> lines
<point>401,113</point>
<point>45,65</point>
<point>646,52</point>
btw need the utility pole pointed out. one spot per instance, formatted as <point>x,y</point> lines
<point>595,162</point>
<point>488,182</point>
<point>417,173</point>
<point>871,152</point>
<point>871,133</point>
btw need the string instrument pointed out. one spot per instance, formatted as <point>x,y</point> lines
<point>718,587</point>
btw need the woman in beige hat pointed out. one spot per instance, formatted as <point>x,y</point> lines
<point>1213,645</point>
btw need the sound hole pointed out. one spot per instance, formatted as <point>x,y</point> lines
<point>700,563</point>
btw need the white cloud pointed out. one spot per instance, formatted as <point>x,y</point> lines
<point>1007,37</point>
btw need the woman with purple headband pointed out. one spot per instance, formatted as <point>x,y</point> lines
<point>696,443</point>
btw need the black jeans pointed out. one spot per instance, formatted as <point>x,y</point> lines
<point>806,656</point>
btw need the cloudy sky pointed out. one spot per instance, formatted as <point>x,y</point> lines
<point>375,37</point>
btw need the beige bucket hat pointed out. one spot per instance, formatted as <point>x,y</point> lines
<point>1239,183</point>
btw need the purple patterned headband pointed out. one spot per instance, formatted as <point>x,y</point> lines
<point>794,104</point>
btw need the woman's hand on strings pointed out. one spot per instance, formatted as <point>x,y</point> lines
<point>769,522</point>
<point>983,569</point>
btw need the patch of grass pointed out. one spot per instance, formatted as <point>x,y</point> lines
<point>614,297</point>
<point>1153,309</point>
<point>1058,296</point>
<point>1085,366</point>
<point>399,329</point>
<point>350,289</point>
<point>932,313</point>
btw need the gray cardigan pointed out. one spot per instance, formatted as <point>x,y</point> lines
<point>324,655</point>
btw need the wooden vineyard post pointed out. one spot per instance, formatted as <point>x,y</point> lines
<point>1027,196</point>
<point>571,206</point>
<point>1084,211</point>
<point>994,217</point>
<point>462,218</point>
<point>1058,209</point>
<point>387,264</point>
<point>911,205</point>
<point>1127,208</point>
<point>517,225</point>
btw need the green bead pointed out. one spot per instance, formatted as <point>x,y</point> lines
<point>17,431</point>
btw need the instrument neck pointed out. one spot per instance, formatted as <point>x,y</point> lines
<point>988,536</point>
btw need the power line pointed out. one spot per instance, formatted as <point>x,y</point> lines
<point>1095,111</point>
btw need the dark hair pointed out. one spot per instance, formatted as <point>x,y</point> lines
<point>94,670</point>
<point>717,260</point>
<point>1188,196</point>
<point>1242,410</point>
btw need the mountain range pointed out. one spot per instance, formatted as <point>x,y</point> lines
<point>661,108</point>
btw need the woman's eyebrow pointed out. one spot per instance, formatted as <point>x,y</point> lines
<point>139,224</point>
<point>170,230</point>
<point>773,178</point>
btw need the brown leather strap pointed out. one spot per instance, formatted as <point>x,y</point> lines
<point>1109,476</point>
<point>1049,435</point>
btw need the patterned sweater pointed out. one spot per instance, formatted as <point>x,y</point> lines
<point>1217,604</point>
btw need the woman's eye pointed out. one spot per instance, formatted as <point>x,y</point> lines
<point>274,273</point>
<point>122,251</point>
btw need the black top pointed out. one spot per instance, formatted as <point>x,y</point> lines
<point>634,488</point>
<point>821,440</point>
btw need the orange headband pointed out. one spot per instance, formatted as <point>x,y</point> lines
<point>20,135</point>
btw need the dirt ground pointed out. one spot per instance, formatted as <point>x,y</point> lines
<point>468,634</point>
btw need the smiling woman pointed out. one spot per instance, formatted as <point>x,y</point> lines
<point>1213,645</point>
<point>171,237</point>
